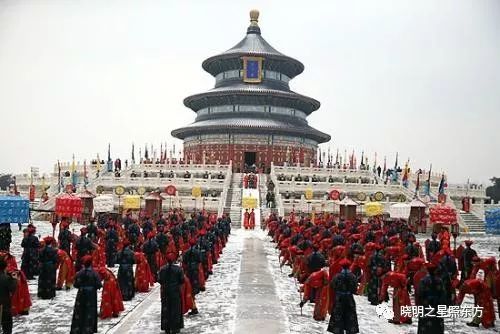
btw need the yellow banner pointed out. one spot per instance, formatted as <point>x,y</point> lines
<point>132,202</point>
<point>249,202</point>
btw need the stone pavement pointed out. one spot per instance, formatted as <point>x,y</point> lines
<point>258,306</point>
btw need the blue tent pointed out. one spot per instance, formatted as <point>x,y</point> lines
<point>492,221</point>
<point>14,209</point>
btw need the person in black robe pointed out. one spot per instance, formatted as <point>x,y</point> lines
<point>92,230</point>
<point>5,237</point>
<point>133,233</point>
<point>111,242</point>
<point>147,227</point>
<point>150,248</point>
<point>64,237</point>
<point>83,247</point>
<point>447,270</point>
<point>161,240</point>
<point>432,247</point>
<point>87,282</point>
<point>316,261</point>
<point>465,262</point>
<point>192,260</point>
<point>8,285</point>
<point>48,268</point>
<point>30,244</point>
<point>344,318</point>
<point>378,267</point>
<point>127,221</point>
<point>171,279</point>
<point>431,293</point>
<point>126,259</point>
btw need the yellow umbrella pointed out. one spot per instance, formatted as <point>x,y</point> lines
<point>374,209</point>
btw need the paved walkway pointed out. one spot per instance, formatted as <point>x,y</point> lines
<point>258,306</point>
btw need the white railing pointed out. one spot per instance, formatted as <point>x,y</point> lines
<point>222,203</point>
<point>127,181</point>
<point>320,171</point>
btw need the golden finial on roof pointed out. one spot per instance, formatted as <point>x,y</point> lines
<point>254,16</point>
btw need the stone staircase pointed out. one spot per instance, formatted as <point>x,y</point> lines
<point>474,223</point>
<point>233,200</point>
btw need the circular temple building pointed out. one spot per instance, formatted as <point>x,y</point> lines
<point>251,117</point>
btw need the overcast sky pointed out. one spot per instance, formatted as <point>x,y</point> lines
<point>419,77</point>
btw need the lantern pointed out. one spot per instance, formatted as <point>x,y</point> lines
<point>87,205</point>
<point>455,230</point>
<point>153,204</point>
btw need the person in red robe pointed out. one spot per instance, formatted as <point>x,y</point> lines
<point>400,296</point>
<point>20,299</point>
<point>143,277</point>
<point>111,300</point>
<point>66,274</point>
<point>251,222</point>
<point>416,268</point>
<point>482,296</point>
<point>245,181</point>
<point>335,267</point>
<point>316,291</point>
<point>246,219</point>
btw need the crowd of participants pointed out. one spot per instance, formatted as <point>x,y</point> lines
<point>175,249</point>
<point>334,259</point>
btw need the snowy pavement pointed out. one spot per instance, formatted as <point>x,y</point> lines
<point>217,305</point>
<point>247,293</point>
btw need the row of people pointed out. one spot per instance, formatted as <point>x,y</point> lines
<point>335,259</point>
<point>150,244</point>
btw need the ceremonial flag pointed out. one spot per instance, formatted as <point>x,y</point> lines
<point>98,167</point>
<point>74,175</point>
<point>133,154</point>
<point>385,165</point>
<point>375,163</point>
<point>417,186</point>
<point>85,177</point>
<point>396,163</point>
<point>441,185</point>
<point>15,185</point>
<point>405,176</point>
<point>337,156</point>
<point>44,185</point>
<point>59,179</point>
<point>428,185</point>
<point>109,152</point>
<point>362,157</point>
<point>146,153</point>
<point>319,150</point>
